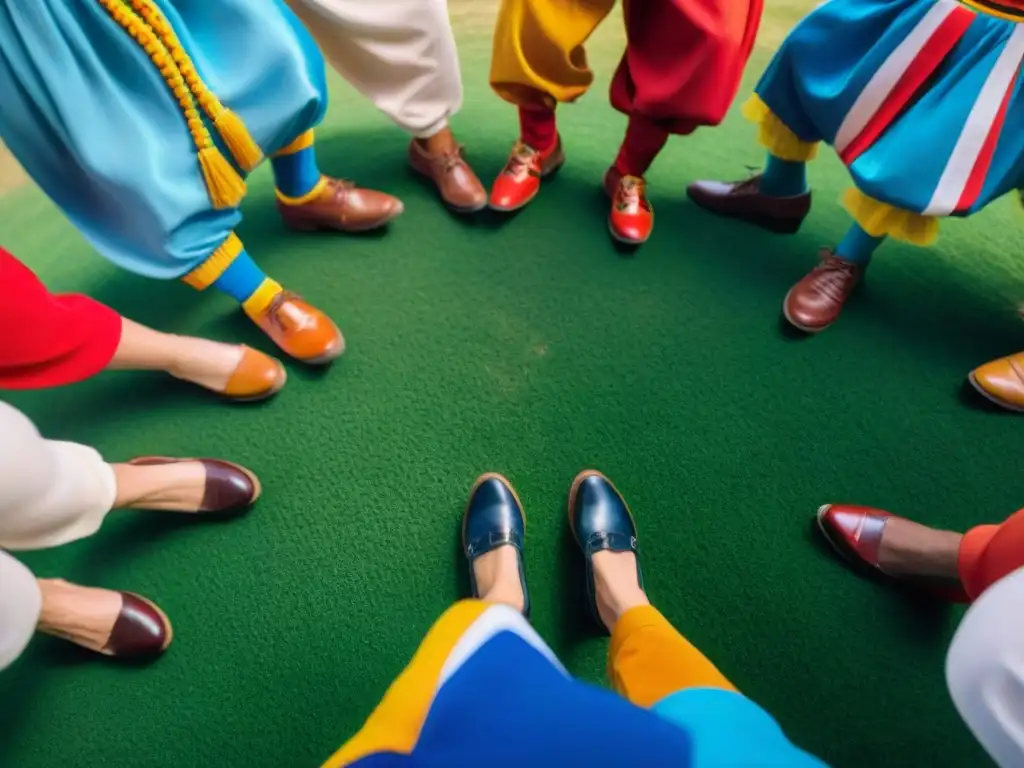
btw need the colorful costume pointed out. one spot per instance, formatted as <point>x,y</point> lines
<point>140,119</point>
<point>483,671</point>
<point>50,340</point>
<point>54,340</point>
<point>681,70</point>
<point>401,55</point>
<point>921,101</point>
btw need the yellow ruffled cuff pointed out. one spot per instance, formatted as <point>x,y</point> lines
<point>775,136</point>
<point>880,219</point>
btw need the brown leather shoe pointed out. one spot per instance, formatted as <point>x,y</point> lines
<point>343,206</point>
<point>230,488</point>
<point>300,329</point>
<point>1002,381</point>
<point>141,630</point>
<point>459,187</point>
<point>815,302</point>
<point>256,377</point>
<point>743,200</point>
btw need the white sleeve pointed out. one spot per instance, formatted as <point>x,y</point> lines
<point>985,670</point>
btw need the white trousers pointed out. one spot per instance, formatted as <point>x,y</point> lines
<point>400,54</point>
<point>985,670</point>
<point>51,493</point>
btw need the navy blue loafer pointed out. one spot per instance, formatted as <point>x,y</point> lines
<point>600,520</point>
<point>494,518</point>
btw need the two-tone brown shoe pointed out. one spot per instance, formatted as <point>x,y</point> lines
<point>229,488</point>
<point>341,205</point>
<point>459,187</point>
<point>744,200</point>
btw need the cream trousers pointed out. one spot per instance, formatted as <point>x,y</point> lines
<point>985,670</point>
<point>400,54</point>
<point>51,493</point>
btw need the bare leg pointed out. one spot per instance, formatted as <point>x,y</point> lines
<point>441,143</point>
<point>618,589</point>
<point>206,363</point>
<point>83,615</point>
<point>912,549</point>
<point>497,577</point>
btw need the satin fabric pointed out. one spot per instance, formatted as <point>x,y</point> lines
<point>90,119</point>
<point>829,58</point>
<point>50,340</point>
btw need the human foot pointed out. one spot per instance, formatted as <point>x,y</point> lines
<point>299,329</point>
<point>119,624</point>
<point>493,527</point>
<point>603,527</point>
<point>893,545</point>
<point>185,485</point>
<point>233,370</point>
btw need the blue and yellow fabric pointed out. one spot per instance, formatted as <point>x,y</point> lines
<point>921,99</point>
<point>141,118</point>
<point>484,689</point>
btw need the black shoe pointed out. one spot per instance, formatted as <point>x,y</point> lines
<point>600,520</point>
<point>494,518</point>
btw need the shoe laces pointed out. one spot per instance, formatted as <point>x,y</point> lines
<point>521,160</point>
<point>450,160</point>
<point>833,275</point>
<point>632,194</point>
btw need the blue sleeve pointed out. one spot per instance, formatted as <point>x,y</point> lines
<point>728,730</point>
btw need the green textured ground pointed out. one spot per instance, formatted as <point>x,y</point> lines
<point>534,349</point>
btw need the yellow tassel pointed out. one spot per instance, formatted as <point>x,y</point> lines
<point>243,147</point>
<point>226,187</point>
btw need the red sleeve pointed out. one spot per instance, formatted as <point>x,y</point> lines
<point>48,340</point>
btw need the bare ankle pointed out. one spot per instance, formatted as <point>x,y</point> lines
<point>618,585</point>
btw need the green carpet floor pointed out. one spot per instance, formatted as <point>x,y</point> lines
<point>533,348</point>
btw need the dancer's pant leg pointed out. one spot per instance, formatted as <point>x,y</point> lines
<point>538,57</point>
<point>400,54</point>
<point>50,340</point>
<point>51,492</point>
<point>990,552</point>
<point>20,605</point>
<point>983,670</point>
<point>684,60</point>
<point>648,659</point>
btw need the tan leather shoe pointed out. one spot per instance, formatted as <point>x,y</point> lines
<point>343,206</point>
<point>256,377</point>
<point>1002,381</point>
<point>459,187</point>
<point>300,329</point>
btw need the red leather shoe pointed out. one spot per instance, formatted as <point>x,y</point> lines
<point>855,533</point>
<point>631,219</point>
<point>519,181</point>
